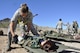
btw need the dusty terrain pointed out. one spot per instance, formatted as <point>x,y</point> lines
<point>19,49</point>
<point>3,44</point>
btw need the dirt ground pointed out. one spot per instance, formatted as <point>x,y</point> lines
<point>3,44</point>
<point>18,49</point>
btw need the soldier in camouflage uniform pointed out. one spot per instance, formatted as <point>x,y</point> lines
<point>23,16</point>
<point>75,26</point>
<point>59,26</point>
<point>68,28</point>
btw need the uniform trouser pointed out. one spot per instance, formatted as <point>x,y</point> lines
<point>76,30</point>
<point>33,30</point>
<point>59,30</point>
<point>9,39</point>
<point>68,31</point>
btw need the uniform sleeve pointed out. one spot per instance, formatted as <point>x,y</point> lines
<point>30,17</point>
<point>15,17</point>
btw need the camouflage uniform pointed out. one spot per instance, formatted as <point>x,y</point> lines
<point>75,26</point>
<point>59,26</point>
<point>68,28</point>
<point>18,19</point>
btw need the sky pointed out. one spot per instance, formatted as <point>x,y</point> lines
<point>49,11</point>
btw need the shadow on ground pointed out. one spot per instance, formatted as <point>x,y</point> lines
<point>66,51</point>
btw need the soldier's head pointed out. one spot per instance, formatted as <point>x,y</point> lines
<point>60,19</point>
<point>24,11</point>
<point>23,5</point>
<point>49,45</point>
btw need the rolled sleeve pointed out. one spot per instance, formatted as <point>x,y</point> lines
<point>15,16</point>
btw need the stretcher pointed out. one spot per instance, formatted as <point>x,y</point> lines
<point>62,48</point>
<point>68,38</point>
